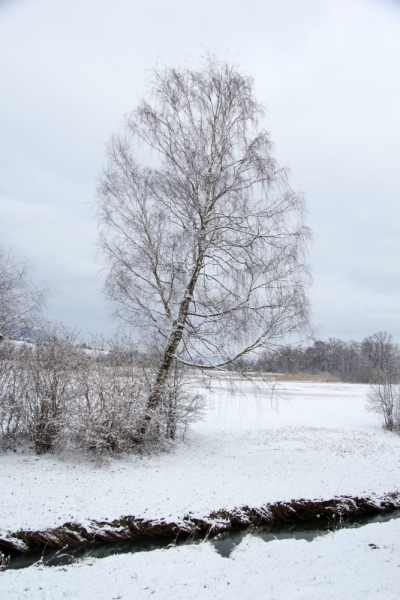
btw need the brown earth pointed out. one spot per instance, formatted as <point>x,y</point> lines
<point>131,528</point>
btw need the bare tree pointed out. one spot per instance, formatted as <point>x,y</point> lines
<point>381,354</point>
<point>205,245</point>
<point>384,398</point>
<point>21,301</point>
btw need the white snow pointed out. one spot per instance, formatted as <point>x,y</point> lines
<point>357,564</point>
<point>320,443</point>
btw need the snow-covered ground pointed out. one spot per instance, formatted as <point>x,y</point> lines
<point>320,443</point>
<point>354,564</point>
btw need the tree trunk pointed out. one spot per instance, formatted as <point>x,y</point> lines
<point>175,338</point>
<point>155,396</point>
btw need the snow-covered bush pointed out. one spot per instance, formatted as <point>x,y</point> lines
<point>12,391</point>
<point>38,383</point>
<point>51,373</point>
<point>384,399</point>
<point>63,396</point>
<point>107,415</point>
<point>104,416</point>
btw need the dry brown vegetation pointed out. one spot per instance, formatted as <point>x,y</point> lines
<point>309,377</point>
<point>273,377</point>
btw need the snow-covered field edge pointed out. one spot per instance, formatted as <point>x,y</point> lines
<point>137,529</point>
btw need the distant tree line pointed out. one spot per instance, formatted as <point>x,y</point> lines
<point>377,356</point>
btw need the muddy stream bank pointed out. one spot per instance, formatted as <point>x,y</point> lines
<point>301,520</point>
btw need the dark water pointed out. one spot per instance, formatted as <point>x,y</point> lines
<point>223,543</point>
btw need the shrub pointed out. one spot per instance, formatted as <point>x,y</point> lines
<point>12,391</point>
<point>384,399</point>
<point>64,396</point>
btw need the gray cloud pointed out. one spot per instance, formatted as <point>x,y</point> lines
<point>327,71</point>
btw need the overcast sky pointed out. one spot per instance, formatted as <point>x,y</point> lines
<point>328,72</point>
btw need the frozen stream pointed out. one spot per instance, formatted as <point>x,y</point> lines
<point>223,543</point>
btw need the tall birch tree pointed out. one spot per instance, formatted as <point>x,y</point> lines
<point>203,237</point>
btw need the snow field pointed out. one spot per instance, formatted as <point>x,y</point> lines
<point>320,443</point>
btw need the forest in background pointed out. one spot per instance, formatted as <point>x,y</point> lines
<point>369,361</point>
